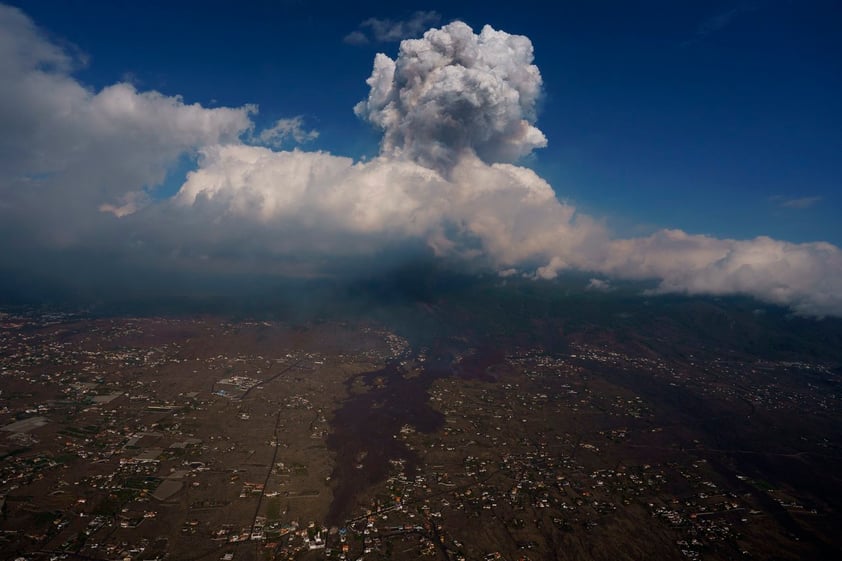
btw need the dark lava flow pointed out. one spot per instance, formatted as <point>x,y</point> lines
<point>364,428</point>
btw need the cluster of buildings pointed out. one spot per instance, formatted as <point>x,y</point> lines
<point>119,442</point>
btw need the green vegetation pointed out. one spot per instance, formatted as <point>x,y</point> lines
<point>140,483</point>
<point>79,432</point>
<point>273,509</point>
<point>66,458</point>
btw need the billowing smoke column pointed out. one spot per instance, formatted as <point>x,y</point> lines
<point>456,110</point>
<point>453,92</point>
<point>455,107</point>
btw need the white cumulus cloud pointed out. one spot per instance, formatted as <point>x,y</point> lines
<point>286,131</point>
<point>67,150</point>
<point>384,30</point>
<point>78,168</point>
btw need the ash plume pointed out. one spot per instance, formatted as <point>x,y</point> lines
<point>80,171</point>
<point>454,92</point>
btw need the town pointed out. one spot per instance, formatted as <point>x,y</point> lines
<point>201,438</point>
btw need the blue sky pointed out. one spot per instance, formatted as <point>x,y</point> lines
<point>693,144</point>
<point>720,118</point>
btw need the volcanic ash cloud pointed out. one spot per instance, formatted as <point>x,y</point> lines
<point>454,91</point>
<point>457,109</point>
